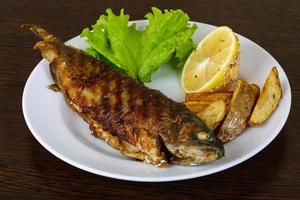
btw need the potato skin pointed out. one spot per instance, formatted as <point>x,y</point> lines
<point>241,105</point>
<point>268,100</point>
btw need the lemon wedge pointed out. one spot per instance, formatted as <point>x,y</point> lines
<point>214,63</point>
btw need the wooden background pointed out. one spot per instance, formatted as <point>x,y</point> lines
<point>28,171</point>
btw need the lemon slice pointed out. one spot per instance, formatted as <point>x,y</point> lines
<point>213,64</point>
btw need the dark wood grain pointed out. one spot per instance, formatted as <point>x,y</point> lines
<point>28,171</point>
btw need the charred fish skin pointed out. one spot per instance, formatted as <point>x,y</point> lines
<point>142,123</point>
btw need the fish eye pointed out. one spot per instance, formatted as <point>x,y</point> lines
<point>202,135</point>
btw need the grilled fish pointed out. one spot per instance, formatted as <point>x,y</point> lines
<point>142,123</point>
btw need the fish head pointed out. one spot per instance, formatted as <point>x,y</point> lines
<point>193,143</point>
<point>201,147</point>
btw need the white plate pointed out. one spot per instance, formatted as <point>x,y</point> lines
<point>62,132</point>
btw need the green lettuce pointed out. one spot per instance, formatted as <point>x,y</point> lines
<point>139,53</point>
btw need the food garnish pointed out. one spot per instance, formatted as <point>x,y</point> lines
<point>139,53</point>
<point>213,64</point>
<point>268,100</point>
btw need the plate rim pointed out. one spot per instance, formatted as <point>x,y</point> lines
<point>220,168</point>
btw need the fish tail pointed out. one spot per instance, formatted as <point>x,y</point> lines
<point>49,46</point>
<point>38,31</point>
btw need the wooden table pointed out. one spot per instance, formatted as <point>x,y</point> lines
<point>29,171</point>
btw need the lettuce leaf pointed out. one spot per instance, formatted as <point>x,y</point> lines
<point>139,53</point>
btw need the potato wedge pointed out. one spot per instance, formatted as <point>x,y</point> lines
<point>241,105</point>
<point>213,114</point>
<point>197,106</point>
<point>209,96</point>
<point>268,100</point>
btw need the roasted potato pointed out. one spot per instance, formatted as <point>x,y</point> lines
<point>209,96</point>
<point>268,100</point>
<point>241,105</point>
<point>213,114</point>
<point>197,106</point>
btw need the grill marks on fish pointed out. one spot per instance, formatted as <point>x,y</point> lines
<point>109,102</point>
<point>118,110</point>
